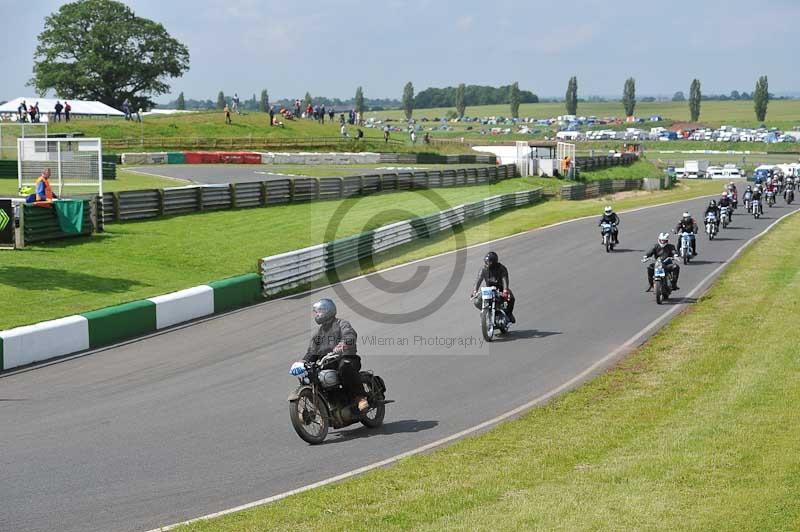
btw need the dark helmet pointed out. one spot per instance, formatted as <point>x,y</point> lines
<point>324,311</point>
<point>712,203</point>
<point>491,259</point>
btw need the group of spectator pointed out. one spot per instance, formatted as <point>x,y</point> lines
<point>31,113</point>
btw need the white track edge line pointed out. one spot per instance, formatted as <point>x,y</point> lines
<point>630,343</point>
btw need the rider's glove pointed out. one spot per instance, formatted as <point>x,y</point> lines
<point>297,369</point>
<point>505,294</point>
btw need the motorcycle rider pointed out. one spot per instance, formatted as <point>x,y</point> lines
<point>663,250</point>
<point>757,195</point>
<point>610,217</point>
<point>338,336</point>
<point>688,225</point>
<point>495,274</point>
<point>713,208</point>
<point>725,201</point>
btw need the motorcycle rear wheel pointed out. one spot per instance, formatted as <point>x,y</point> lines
<point>373,418</point>
<point>304,413</point>
<point>487,328</point>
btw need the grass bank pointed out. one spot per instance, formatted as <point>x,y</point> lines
<point>137,260</point>
<point>697,430</point>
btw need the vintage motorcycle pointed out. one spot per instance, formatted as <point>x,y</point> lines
<point>711,225</point>
<point>662,278</point>
<point>607,230</point>
<point>493,314</point>
<point>320,402</point>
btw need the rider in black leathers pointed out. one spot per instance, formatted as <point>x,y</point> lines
<point>609,216</point>
<point>495,274</point>
<point>338,336</point>
<point>688,225</point>
<point>663,250</point>
<point>727,201</point>
<point>712,207</point>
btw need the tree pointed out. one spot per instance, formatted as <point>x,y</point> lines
<point>221,100</point>
<point>694,100</point>
<point>263,103</point>
<point>513,99</point>
<point>761,98</point>
<point>629,96</point>
<point>678,97</point>
<point>306,100</point>
<point>358,102</point>
<point>461,102</point>
<point>408,100</point>
<point>735,95</point>
<point>181,103</point>
<point>571,98</point>
<point>100,50</point>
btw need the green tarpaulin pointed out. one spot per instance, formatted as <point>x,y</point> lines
<point>70,216</point>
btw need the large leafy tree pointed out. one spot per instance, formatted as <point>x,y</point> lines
<point>100,50</point>
<point>571,98</point>
<point>629,96</point>
<point>694,100</point>
<point>761,98</point>
<point>408,100</point>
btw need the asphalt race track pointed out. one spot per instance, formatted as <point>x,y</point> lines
<point>206,174</point>
<point>194,420</point>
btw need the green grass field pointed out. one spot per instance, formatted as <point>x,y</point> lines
<point>697,430</point>
<point>780,113</point>
<point>136,260</point>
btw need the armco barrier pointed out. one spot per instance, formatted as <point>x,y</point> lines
<point>296,268</point>
<point>142,204</point>
<point>595,189</point>
<point>97,328</point>
<point>41,223</point>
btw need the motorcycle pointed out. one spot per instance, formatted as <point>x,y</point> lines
<point>770,198</point>
<point>607,230</point>
<point>756,209</point>
<point>788,195</point>
<point>711,225</point>
<point>493,314</point>
<point>725,215</point>
<point>686,246</point>
<point>662,279</point>
<point>320,402</point>
<point>747,199</point>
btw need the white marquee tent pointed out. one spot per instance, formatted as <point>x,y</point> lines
<point>47,107</point>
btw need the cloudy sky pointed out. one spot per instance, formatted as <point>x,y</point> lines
<point>329,48</point>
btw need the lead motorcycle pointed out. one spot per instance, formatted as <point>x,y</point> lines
<point>320,402</point>
<point>493,314</point>
<point>686,246</point>
<point>711,225</point>
<point>662,278</point>
<point>607,230</point>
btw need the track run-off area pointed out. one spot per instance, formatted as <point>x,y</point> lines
<point>194,420</point>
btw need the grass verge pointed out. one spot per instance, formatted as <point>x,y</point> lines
<point>695,431</point>
<point>137,260</point>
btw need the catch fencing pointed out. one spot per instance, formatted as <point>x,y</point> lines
<point>296,268</point>
<point>154,203</point>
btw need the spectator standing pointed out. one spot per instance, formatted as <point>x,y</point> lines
<point>322,114</point>
<point>426,139</point>
<point>126,108</point>
<point>67,111</point>
<point>331,113</point>
<point>58,109</point>
<point>343,130</point>
<point>139,115</point>
<point>271,115</point>
<point>235,102</point>
<point>38,113</point>
<point>341,119</point>
<point>22,110</point>
<point>386,133</point>
<point>413,137</point>
<point>32,113</point>
<point>297,108</point>
<point>227,112</point>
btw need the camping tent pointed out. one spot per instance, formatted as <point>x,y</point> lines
<point>47,107</point>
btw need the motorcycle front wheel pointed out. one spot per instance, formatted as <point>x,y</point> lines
<point>659,291</point>
<point>309,417</point>
<point>487,327</point>
<point>372,418</point>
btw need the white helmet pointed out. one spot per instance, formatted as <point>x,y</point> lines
<point>663,239</point>
<point>608,209</point>
<point>686,215</point>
